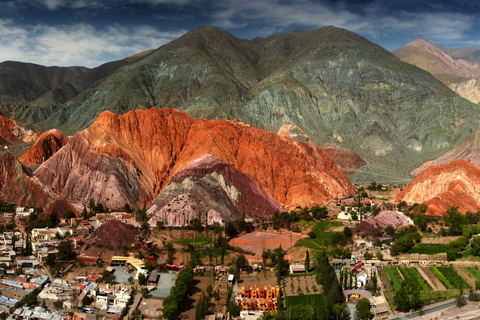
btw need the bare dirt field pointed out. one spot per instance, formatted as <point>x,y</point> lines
<point>438,240</point>
<point>258,241</point>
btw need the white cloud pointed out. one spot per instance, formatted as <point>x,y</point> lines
<point>374,20</point>
<point>78,44</point>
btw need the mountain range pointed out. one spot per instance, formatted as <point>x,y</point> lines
<point>340,89</point>
<point>458,68</point>
<point>234,126</point>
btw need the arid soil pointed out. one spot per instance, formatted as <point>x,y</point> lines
<point>258,241</point>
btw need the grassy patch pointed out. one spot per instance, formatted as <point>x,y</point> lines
<point>317,300</point>
<point>427,248</point>
<point>394,277</point>
<point>200,240</point>
<point>429,297</point>
<point>323,236</point>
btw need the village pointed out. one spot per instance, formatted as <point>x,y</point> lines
<point>71,270</point>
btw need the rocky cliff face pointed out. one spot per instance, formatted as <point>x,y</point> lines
<point>131,158</point>
<point>18,185</point>
<point>46,145</point>
<point>442,186</point>
<point>456,68</point>
<point>210,190</point>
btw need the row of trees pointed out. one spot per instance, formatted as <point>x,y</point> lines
<point>175,302</point>
<point>335,307</point>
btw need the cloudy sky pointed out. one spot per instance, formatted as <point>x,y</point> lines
<point>92,32</point>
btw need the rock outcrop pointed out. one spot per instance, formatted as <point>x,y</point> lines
<point>111,238</point>
<point>210,190</point>
<point>11,132</point>
<point>131,158</point>
<point>384,219</point>
<point>456,183</point>
<point>46,145</point>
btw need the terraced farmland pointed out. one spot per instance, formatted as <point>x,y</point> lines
<point>449,278</point>
<point>447,282</point>
<point>412,273</point>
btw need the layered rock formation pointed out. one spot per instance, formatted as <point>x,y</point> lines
<point>458,68</point>
<point>213,191</point>
<point>19,185</point>
<point>130,158</point>
<point>456,183</point>
<point>341,89</point>
<point>46,145</point>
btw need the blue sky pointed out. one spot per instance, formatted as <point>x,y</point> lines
<point>92,32</point>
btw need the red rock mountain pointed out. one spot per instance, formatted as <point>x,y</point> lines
<point>130,158</point>
<point>46,145</point>
<point>456,183</point>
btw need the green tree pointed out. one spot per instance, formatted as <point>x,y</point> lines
<point>348,232</point>
<point>460,301</point>
<point>408,297</point>
<point>69,214</point>
<point>379,255</point>
<point>420,221</point>
<point>455,219</point>
<point>307,261</point>
<point>281,267</point>
<point>85,213</point>
<point>108,277</point>
<point>142,280</point>
<point>362,309</point>
<point>65,251</point>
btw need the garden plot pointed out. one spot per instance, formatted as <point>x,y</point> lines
<point>299,285</point>
<point>395,277</point>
